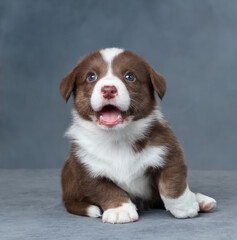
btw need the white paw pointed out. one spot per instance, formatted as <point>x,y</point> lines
<point>205,203</point>
<point>186,211</point>
<point>93,211</point>
<point>124,214</point>
<point>184,206</point>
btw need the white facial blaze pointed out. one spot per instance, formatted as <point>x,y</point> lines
<point>108,54</point>
<point>122,100</point>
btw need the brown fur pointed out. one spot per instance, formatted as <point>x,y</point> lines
<point>80,189</point>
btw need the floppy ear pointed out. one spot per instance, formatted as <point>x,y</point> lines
<point>67,85</point>
<point>158,82</point>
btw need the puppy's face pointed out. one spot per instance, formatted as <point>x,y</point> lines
<point>113,87</point>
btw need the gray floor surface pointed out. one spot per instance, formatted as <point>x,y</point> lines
<point>31,208</point>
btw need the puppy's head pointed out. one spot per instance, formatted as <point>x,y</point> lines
<point>113,87</point>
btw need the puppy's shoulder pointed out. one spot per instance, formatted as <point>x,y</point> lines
<point>161,134</point>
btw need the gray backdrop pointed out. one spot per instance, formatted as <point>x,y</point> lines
<point>193,43</point>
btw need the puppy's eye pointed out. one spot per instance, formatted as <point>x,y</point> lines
<point>129,77</point>
<point>92,77</point>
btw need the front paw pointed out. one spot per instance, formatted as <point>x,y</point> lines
<point>189,211</point>
<point>185,206</point>
<point>123,214</point>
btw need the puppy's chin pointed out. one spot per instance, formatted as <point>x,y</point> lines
<point>110,117</point>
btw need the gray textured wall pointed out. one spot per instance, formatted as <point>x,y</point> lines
<point>193,43</point>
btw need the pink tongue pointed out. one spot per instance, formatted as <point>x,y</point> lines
<point>110,116</point>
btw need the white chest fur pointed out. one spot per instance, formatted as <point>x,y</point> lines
<point>110,154</point>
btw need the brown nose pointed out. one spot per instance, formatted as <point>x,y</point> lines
<point>109,91</point>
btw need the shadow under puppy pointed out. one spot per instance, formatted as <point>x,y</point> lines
<point>123,150</point>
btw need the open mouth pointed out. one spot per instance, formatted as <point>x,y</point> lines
<point>110,116</point>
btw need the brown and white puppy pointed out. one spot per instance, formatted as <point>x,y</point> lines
<point>124,154</point>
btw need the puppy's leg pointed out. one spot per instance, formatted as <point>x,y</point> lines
<point>82,196</point>
<point>83,209</point>
<point>175,193</point>
<point>115,202</point>
<point>72,196</point>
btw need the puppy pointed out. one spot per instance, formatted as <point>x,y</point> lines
<point>124,155</point>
